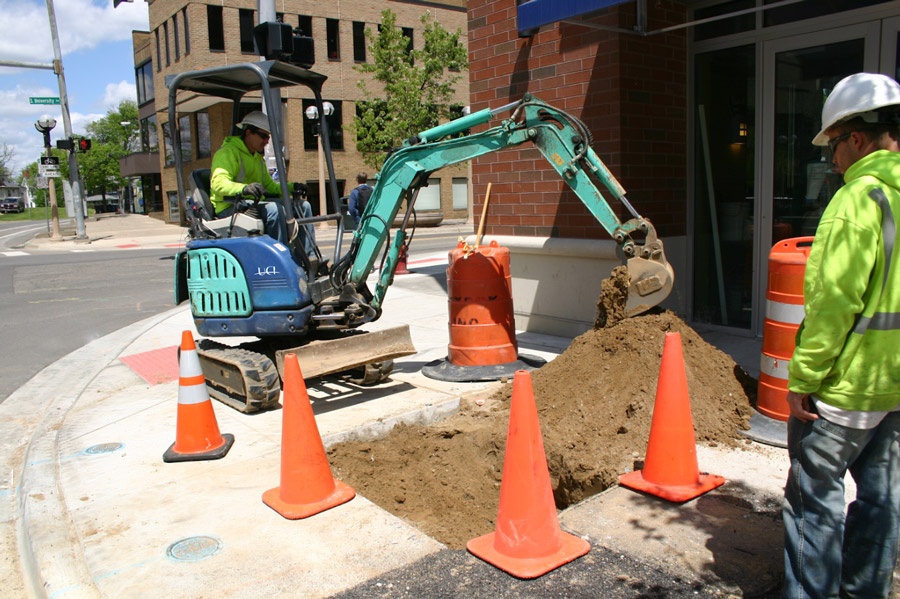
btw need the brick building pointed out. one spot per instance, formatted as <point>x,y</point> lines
<point>705,111</point>
<point>188,35</point>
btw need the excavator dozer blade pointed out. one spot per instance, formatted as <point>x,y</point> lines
<point>327,356</point>
<point>651,283</point>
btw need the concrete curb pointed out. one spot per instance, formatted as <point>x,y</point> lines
<point>47,543</point>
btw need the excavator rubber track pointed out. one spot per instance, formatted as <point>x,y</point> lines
<point>245,380</point>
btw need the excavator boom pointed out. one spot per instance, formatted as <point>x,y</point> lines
<point>562,139</point>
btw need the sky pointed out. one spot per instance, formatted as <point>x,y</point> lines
<point>97,58</point>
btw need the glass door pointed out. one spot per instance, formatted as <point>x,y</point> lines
<point>797,178</point>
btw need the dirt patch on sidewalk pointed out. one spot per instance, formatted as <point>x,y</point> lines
<point>595,403</point>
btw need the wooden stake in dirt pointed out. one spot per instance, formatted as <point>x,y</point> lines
<point>487,198</point>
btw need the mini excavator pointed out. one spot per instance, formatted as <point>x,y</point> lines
<point>241,282</point>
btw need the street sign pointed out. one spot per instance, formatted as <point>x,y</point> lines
<point>43,183</point>
<point>49,166</point>
<point>43,100</point>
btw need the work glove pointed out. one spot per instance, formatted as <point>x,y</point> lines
<point>301,190</point>
<point>256,190</point>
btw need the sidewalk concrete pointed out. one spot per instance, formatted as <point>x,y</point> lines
<point>89,509</point>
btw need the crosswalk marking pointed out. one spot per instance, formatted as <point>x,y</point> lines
<point>14,253</point>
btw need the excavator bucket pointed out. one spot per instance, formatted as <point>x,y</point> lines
<point>651,283</point>
<point>321,357</point>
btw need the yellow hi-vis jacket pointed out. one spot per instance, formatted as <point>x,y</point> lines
<point>848,346</point>
<point>233,167</point>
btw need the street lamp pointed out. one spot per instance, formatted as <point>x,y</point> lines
<point>312,113</point>
<point>45,125</point>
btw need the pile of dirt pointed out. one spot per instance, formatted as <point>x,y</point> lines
<point>595,403</point>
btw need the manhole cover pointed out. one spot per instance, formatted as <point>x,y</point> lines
<point>103,448</point>
<point>193,549</point>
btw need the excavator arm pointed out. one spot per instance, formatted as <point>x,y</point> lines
<point>561,138</point>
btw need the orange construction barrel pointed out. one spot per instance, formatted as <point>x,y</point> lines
<point>784,313</point>
<point>479,289</point>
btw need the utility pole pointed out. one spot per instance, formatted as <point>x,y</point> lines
<point>74,179</point>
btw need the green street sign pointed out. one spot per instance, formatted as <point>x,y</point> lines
<point>45,100</point>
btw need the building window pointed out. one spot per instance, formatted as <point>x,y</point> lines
<point>245,16</point>
<point>460,193</point>
<point>332,39</point>
<point>166,35</point>
<point>187,138</point>
<point>143,76</point>
<point>187,31</point>
<point>177,37</point>
<point>408,34</point>
<point>149,135</point>
<point>305,25</point>
<point>167,139</point>
<point>359,41</point>
<point>279,17</point>
<point>204,145</point>
<point>216,29</point>
<point>335,129</point>
<point>158,55</point>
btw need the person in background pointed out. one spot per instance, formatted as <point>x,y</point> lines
<point>359,197</point>
<point>844,376</point>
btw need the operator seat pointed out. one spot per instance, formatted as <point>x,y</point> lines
<point>201,207</point>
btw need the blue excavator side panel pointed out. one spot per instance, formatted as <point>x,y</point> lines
<point>245,286</point>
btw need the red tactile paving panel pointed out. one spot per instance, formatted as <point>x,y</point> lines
<point>156,366</point>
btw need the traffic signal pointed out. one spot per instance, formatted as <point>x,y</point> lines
<point>65,144</point>
<point>84,144</point>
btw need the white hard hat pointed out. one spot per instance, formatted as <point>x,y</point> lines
<point>256,119</point>
<point>857,95</point>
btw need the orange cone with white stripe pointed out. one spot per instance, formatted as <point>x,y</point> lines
<point>197,434</point>
<point>307,486</point>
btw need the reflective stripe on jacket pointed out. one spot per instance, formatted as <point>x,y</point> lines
<point>848,346</point>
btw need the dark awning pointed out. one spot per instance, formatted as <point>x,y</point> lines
<point>534,13</point>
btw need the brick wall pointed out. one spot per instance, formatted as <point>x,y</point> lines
<point>630,91</point>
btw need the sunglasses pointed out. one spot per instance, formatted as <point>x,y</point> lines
<point>261,133</point>
<point>834,142</point>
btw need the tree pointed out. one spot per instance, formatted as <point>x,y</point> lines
<point>112,137</point>
<point>7,153</point>
<point>416,85</point>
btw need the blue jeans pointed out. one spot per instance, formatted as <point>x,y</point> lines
<point>826,556</point>
<point>273,220</point>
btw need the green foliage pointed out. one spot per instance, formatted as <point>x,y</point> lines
<point>111,140</point>
<point>416,86</point>
<point>6,155</point>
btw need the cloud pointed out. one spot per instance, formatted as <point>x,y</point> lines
<point>81,25</point>
<point>116,92</point>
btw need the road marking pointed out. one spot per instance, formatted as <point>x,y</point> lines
<point>14,253</point>
<point>65,299</point>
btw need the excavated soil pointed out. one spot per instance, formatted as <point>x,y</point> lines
<point>595,404</point>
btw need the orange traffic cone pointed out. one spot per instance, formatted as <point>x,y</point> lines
<point>670,468</point>
<point>196,430</point>
<point>307,486</point>
<point>527,542</point>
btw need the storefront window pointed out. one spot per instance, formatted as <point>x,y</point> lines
<point>809,9</point>
<point>724,173</point>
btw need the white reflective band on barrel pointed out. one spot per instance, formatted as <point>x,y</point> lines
<point>882,321</point>
<point>786,313</point>
<point>774,367</point>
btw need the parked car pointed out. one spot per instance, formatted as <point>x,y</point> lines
<point>12,204</point>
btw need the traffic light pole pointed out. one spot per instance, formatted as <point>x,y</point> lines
<point>74,179</point>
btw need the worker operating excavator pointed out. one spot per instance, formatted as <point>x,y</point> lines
<point>239,171</point>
